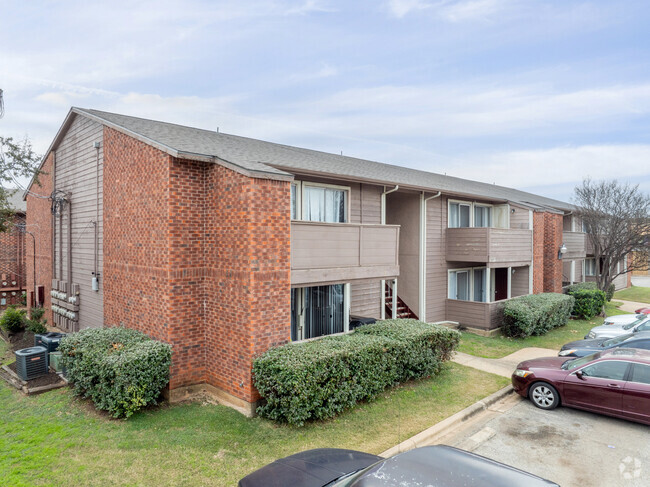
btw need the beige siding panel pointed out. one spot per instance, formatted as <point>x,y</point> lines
<point>76,173</point>
<point>520,281</point>
<point>491,245</point>
<point>510,245</point>
<point>519,219</point>
<point>365,297</point>
<point>579,276</point>
<point>575,243</point>
<point>404,209</point>
<point>437,265</point>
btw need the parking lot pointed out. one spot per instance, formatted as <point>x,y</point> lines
<point>571,447</point>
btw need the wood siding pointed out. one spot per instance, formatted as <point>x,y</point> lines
<point>519,218</point>
<point>495,246</point>
<point>576,245</point>
<point>342,252</point>
<point>76,173</point>
<point>436,278</point>
<point>404,209</point>
<point>520,281</point>
<point>484,316</point>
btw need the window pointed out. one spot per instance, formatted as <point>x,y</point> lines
<point>612,370</point>
<point>459,215</point>
<point>590,267</point>
<point>319,202</point>
<point>317,311</point>
<point>640,373</point>
<point>482,216</point>
<point>463,214</point>
<point>468,284</point>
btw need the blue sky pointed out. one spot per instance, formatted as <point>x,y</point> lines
<point>529,94</point>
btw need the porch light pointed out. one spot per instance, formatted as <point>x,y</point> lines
<point>562,251</point>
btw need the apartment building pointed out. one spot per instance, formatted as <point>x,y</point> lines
<point>225,246</point>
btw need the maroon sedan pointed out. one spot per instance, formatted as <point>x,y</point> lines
<point>615,383</point>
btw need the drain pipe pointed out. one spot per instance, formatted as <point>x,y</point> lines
<point>383,222</point>
<point>423,254</point>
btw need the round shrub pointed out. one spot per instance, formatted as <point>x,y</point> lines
<point>588,303</point>
<point>535,314</point>
<point>119,369</point>
<point>13,320</point>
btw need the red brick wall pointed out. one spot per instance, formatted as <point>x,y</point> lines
<point>39,222</point>
<point>198,256</point>
<point>12,263</point>
<point>248,296</point>
<point>538,252</point>
<point>547,239</point>
<point>552,243</point>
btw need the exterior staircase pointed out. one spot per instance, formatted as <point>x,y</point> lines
<point>403,311</point>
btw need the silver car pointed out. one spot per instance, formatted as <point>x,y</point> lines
<point>611,331</point>
<point>623,319</point>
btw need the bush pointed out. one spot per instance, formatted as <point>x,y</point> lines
<point>580,286</point>
<point>611,289</point>
<point>321,378</point>
<point>588,303</point>
<point>119,369</point>
<point>13,320</point>
<point>535,314</point>
<point>36,324</point>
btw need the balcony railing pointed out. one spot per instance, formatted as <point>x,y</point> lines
<point>496,247</point>
<point>471,314</point>
<point>342,252</point>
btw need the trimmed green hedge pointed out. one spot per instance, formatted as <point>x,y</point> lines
<point>321,378</point>
<point>580,286</point>
<point>119,369</point>
<point>535,314</point>
<point>588,302</point>
<point>12,320</point>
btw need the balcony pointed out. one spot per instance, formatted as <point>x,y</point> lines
<point>471,314</point>
<point>576,244</point>
<point>497,247</point>
<point>326,253</point>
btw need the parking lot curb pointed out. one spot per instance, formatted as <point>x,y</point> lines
<point>446,424</point>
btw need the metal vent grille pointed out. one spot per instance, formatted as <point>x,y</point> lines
<point>31,362</point>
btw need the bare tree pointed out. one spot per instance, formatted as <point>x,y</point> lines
<point>617,220</point>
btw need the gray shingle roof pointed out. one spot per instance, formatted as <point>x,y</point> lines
<point>267,159</point>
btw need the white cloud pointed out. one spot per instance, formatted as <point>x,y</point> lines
<point>307,7</point>
<point>401,8</point>
<point>469,10</point>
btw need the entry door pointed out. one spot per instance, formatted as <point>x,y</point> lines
<point>500,284</point>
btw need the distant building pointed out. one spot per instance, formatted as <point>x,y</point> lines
<point>13,255</point>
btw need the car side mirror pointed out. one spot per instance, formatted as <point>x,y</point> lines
<point>580,375</point>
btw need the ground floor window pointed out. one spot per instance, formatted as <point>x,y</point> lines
<point>318,311</point>
<point>590,267</point>
<point>468,284</point>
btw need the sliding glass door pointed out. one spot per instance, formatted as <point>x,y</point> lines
<point>317,311</point>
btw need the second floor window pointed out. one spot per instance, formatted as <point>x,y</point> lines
<point>319,202</point>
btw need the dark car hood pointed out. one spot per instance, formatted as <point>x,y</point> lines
<point>444,466</point>
<point>312,468</point>
<point>543,363</point>
<point>586,343</point>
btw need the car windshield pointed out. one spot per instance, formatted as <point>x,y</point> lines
<point>632,325</point>
<point>616,340</point>
<point>579,362</point>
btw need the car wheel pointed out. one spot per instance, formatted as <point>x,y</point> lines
<point>544,395</point>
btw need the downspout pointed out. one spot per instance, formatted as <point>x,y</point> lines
<point>69,290</point>
<point>383,222</point>
<point>95,283</point>
<point>53,249</point>
<point>423,254</point>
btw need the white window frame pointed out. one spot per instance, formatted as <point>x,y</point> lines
<point>472,205</point>
<point>589,272</point>
<point>470,275</point>
<point>301,197</point>
<point>300,303</point>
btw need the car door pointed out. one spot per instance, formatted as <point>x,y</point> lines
<point>597,387</point>
<point>636,394</point>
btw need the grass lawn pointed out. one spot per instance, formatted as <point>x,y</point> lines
<point>500,346</point>
<point>56,439</point>
<point>634,293</point>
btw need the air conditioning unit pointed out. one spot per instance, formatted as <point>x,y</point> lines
<point>50,341</point>
<point>31,362</point>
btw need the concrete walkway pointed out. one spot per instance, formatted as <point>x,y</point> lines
<point>502,366</point>
<point>630,306</point>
